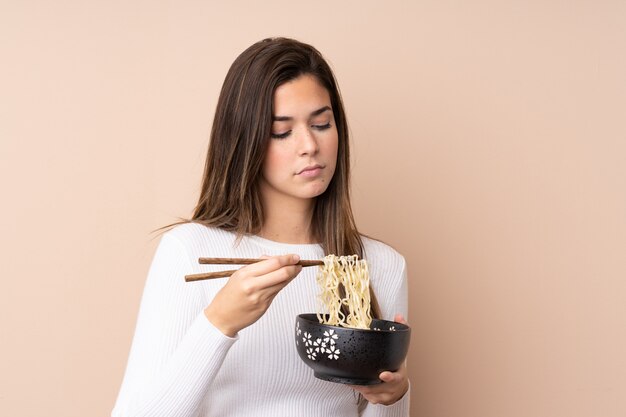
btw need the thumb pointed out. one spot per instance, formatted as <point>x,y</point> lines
<point>399,318</point>
<point>387,376</point>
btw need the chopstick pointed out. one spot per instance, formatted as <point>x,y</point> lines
<point>248,261</point>
<point>234,261</point>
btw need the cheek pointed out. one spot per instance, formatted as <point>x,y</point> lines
<point>275,163</point>
<point>332,151</point>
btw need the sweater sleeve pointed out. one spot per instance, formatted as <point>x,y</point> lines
<point>398,303</point>
<point>176,352</point>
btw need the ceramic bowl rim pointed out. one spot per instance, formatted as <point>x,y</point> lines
<point>404,328</point>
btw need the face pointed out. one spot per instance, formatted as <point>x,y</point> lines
<point>302,152</point>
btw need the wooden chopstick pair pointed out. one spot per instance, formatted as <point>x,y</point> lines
<point>233,261</point>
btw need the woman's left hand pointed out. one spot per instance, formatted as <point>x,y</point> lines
<point>394,385</point>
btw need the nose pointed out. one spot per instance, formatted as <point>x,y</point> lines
<point>307,142</point>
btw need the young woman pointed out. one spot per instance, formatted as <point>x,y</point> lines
<point>276,185</point>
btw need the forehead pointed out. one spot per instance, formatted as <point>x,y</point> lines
<point>302,95</point>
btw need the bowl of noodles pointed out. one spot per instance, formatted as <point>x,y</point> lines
<point>344,344</point>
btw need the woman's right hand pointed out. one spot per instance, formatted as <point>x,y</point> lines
<point>249,293</point>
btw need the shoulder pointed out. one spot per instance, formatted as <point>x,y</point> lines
<point>377,250</point>
<point>388,276</point>
<point>382,258</point>
<point>189,232</point>
<point>196,237</point>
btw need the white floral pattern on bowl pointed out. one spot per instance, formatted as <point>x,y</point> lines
<point>327,345</point>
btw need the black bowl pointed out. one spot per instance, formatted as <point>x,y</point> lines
<point>351,356</point>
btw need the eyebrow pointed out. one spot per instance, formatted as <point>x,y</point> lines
<point>315,113</point>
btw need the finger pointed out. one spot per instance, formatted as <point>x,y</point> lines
<point>270,292</point>
<point>282,284</point>
<point>270,264</point>
<point>278,278</point>
<point>388,376</point>
<point>399,318</point>
<point>385,376</point>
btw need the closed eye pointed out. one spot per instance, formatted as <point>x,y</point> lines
<point>280,135</point>
<point>322,127</point>
<point>287,133</point>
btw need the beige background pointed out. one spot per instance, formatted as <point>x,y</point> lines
<point>490,149</point>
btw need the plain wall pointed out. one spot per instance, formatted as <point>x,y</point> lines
<point>489,148</point>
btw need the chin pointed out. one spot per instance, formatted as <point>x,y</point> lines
<point>316,192</point>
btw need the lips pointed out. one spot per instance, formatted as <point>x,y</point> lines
<point>310,170</point>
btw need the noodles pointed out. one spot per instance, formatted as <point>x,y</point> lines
<point>344,281</point>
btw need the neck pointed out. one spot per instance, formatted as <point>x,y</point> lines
<point>288,220</point>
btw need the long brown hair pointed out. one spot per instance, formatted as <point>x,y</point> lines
<point>230,197</point>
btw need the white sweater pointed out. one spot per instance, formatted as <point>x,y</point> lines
<point>181,365</point>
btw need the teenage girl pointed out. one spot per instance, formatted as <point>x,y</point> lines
<point>275,185</point>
